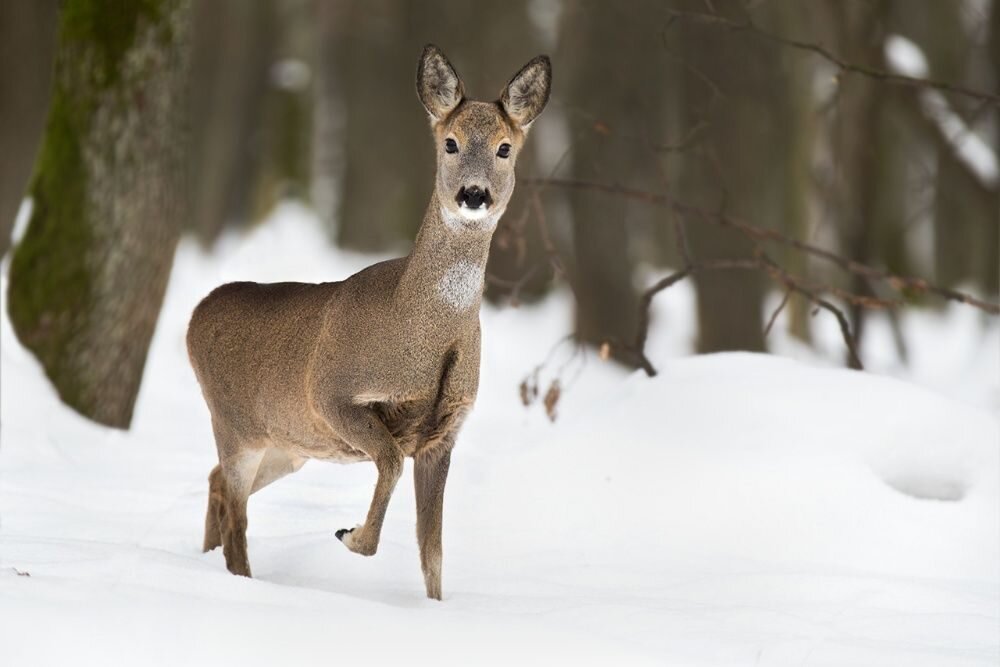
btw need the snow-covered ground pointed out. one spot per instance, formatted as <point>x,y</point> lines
<point>736,510</point>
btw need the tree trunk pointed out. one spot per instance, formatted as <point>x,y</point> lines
<point>860,36</point>
<point>285,159</point>
<point>232,46</point>
<point>87,280</point>
<point>733,99</point>
<point>389,163</point>
<point>27,47</point>
<point>796,113</point>
<point>991,244</point>
<point>606,87</point>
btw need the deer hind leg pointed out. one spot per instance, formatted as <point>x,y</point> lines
<point>363,430</point>
<point>215,516</point>
<point>238,473</point>
<point>430,472</point>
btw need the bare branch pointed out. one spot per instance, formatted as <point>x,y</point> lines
<point>777,311</point>
<point>900,284</point>
<point>786,279</point>
<point>843,65</point>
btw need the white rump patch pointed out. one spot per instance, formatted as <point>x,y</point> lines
<point>461,285</point>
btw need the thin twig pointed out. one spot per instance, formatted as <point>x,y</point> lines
<point>777,311</point>
<point>898,283</point>
<point>843,65</point>
<point>786,279</point>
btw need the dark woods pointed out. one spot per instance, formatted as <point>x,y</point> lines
<point>839,154</point>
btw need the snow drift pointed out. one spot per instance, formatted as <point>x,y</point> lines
<point>738,509</point>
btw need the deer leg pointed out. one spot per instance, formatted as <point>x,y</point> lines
<point>363,430</point>
<point>215,516</point>
<point>430,472</point>
<point>238,473</point>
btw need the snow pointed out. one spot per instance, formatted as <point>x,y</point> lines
<point>736,510</point>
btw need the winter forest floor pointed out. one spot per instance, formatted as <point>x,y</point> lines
<point>736,510</point>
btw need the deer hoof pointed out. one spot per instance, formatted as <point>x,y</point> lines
<point>354,540</point>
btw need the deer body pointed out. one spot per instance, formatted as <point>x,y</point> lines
<point>380,366</point>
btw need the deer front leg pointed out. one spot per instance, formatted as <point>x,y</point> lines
<point>430,472</point>
<point>362,429</point>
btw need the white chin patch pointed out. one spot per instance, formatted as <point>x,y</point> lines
<point>480,213</point>
<point>481,218</point>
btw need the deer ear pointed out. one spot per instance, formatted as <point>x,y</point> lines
<point>438,86</point>
<point>527,93</point>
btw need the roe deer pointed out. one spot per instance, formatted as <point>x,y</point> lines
<point>382,365</point>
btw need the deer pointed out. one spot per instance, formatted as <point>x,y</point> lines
<point>377,367</point>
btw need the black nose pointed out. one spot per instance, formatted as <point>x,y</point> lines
<point>473,197</point>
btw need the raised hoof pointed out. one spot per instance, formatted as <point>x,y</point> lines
<point>354,540</point>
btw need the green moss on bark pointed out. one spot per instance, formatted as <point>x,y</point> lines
<point>106,29</point>
<point>52,283</point>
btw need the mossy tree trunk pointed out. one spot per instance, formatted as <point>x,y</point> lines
<point>87,280</point>
<point>27,44</point>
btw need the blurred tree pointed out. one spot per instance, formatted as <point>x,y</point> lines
<point>604,86</point>
<point>795,113</point>
<point>232,47</point>
<point>284,158</point>
<point>731,167</point>
<point>388,162</point>
<point>991,247</point>
<point>27,48</point>
<point>859,32</point>
<point>87,280</point>
<point>966,207</point>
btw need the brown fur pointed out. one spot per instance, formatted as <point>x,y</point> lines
<point>382,365</point>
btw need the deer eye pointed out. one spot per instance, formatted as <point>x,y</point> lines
<point>504,151</point>
<point>450,146</point>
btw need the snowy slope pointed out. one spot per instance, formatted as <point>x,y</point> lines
<point>736,510</point>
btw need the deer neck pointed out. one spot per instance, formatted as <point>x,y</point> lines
<point>445,270</point>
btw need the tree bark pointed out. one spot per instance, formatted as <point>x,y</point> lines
<point>606,88</point>
<point>725,170</point>
<point>285,159</point>
<point>232,46</point>
<point>860,34</point>
<point>27,48</point>
<point>87,280</point>
<point>389,164</point>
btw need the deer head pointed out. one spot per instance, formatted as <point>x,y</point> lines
<point>477,143</point>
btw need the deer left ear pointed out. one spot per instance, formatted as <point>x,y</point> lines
<point>528,92</point>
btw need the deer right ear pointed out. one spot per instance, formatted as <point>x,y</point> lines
<point>438,86</point>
